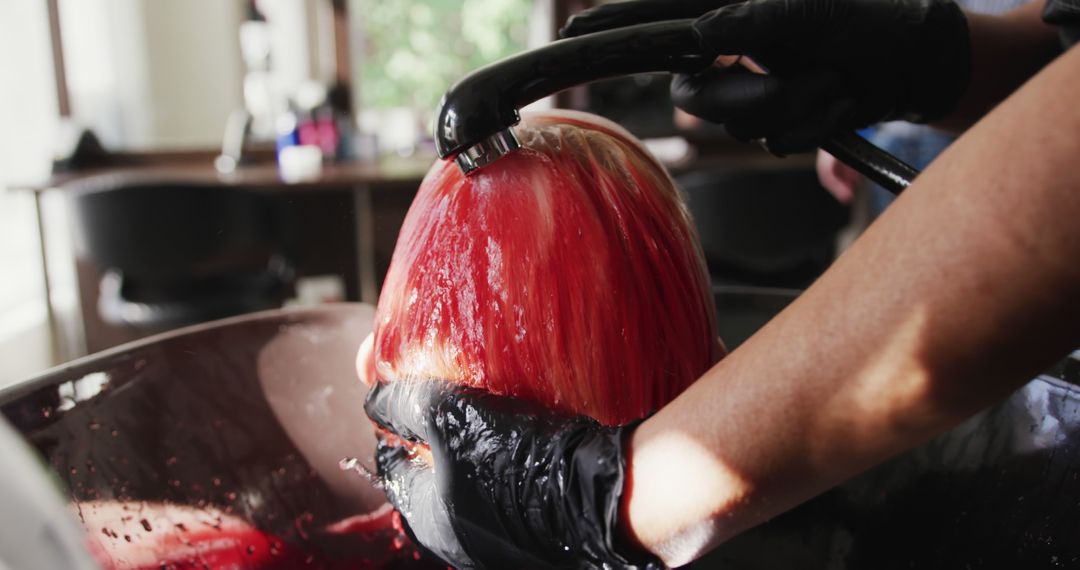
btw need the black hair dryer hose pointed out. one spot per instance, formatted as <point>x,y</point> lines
<point>473,120</point>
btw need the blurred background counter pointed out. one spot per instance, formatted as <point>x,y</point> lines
<point>168,243</point>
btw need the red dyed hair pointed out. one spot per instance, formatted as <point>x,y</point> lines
<point>567,273</point>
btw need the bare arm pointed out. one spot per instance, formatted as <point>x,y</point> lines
<point>1006,51</point>
<point>964,289</point>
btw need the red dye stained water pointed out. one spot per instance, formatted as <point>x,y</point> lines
<point>216,541</point>
<point>176,537</point>
<point>567,273</point>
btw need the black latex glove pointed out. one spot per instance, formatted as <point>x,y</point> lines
<point>834,65</point>
<point>512,486</point>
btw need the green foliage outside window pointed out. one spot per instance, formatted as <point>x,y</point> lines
<point>414,50</point>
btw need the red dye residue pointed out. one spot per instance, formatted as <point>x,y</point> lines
<point>567,273</point>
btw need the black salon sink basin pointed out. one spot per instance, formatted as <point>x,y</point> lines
<point>218,444</point>
<point>242,423</point>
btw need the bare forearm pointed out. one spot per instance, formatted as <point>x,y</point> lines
<point>965,288</point>
<point>1007,50</point>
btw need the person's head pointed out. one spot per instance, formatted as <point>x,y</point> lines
<point>567,273</point>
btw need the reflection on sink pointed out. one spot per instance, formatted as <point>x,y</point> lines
<point>219,444</point>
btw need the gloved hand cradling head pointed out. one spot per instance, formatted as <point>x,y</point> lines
<point>529,305</point>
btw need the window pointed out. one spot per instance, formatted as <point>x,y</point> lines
<point>408,53</point>
<point>151,75</point>
<point>28,117</point>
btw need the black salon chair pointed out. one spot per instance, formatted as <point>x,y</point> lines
<point>173,254</point>
<point>764,227</point>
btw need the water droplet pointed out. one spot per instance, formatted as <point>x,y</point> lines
<point>216,481</point>
<point>171,461</point>
<point>348,463</point>
<point>74,471</point>
<point>46,412</point>
<point>251,549</point>
<point>93,425</point>
<point>114,433</point>
<point>299,524</point>
<point>353,464</point>
<point>275,548</point>
<point>230,496</point>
